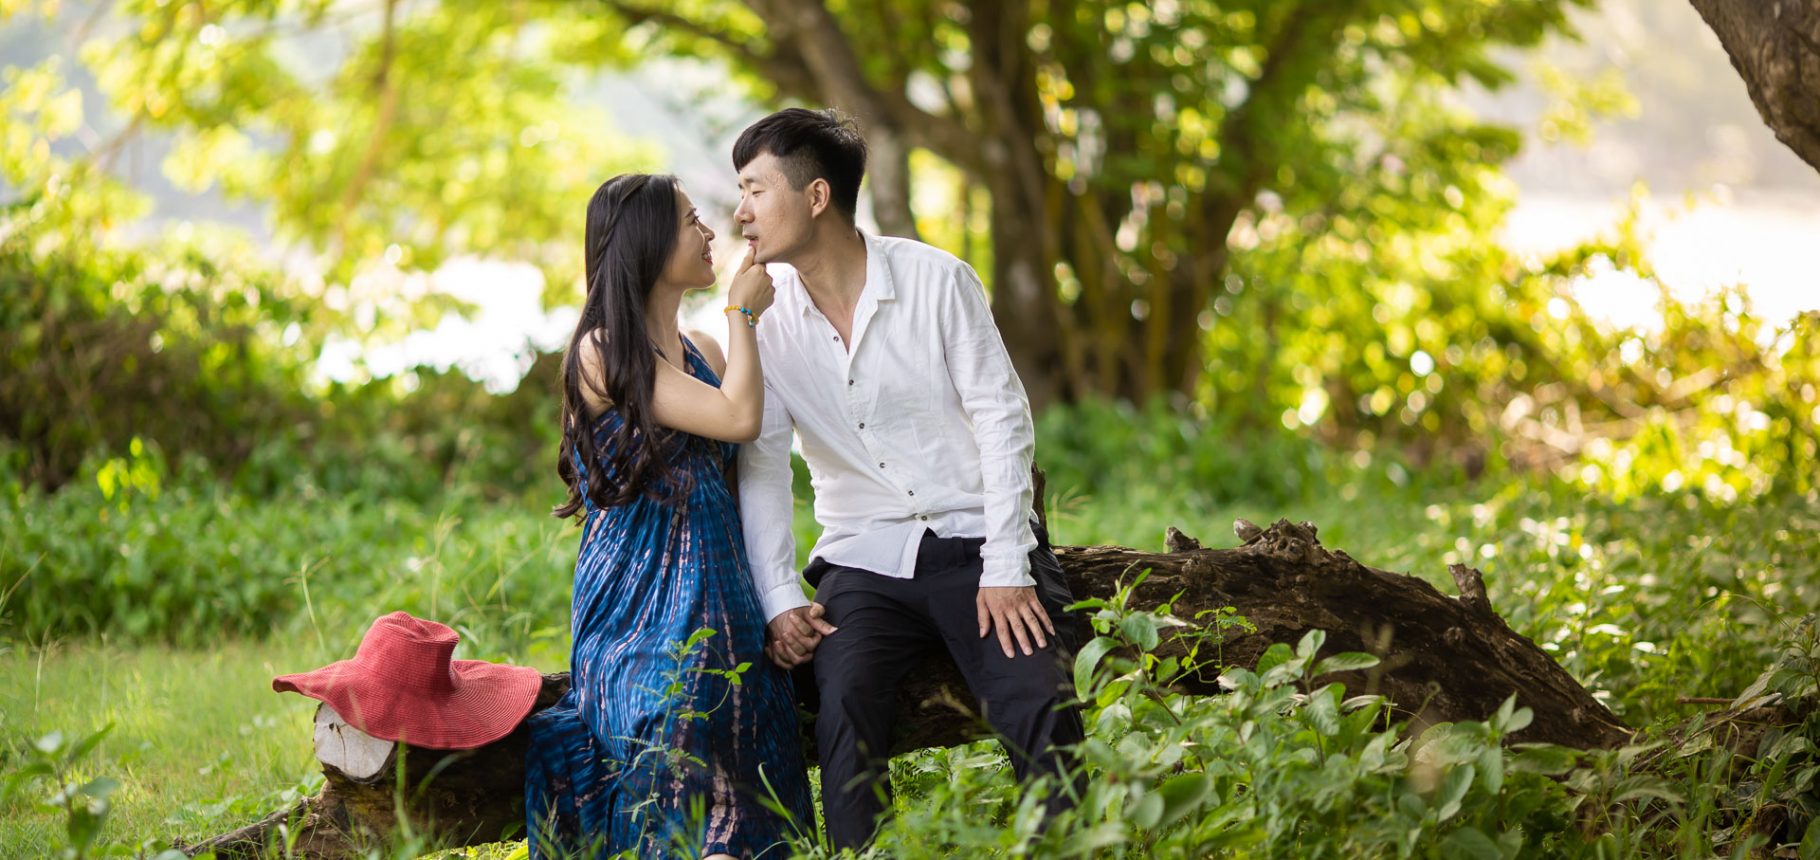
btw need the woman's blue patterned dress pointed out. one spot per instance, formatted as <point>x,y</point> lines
<point>653,751</point>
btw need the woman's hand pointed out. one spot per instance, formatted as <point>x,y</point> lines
<point>751,287</point>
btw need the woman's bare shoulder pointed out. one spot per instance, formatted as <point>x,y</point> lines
<point>710,350</point>
<point>593,371</point>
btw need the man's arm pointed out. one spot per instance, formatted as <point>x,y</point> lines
<point>765,511</point>
<point>994,400</point>
<point>793,627</point>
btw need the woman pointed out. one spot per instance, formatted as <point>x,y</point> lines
<point>663,746</point>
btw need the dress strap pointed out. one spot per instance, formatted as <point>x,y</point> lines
<point>698,363</point>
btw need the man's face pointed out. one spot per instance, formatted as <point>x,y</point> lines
<point>776,219</point>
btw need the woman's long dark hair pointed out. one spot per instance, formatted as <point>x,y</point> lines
<point>632,224</point>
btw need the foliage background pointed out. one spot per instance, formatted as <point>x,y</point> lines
<point>190,503</point>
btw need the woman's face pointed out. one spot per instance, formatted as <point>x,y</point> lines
<point>691,264</point>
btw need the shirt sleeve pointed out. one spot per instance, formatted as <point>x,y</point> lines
<point>994,400</point>
<point>765,511</point>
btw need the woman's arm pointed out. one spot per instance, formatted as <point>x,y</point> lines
<point>734,411</point>
<point>731,413</point>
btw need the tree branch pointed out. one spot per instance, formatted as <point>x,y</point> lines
<point>784,70</point>
<point>388,111</point>
<point>1239,136</point>
<point>1775,46</point>
<point>812,30</point>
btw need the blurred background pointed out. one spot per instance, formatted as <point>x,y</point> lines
<point>1521,283</point>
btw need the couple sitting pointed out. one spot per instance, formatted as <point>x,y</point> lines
<point>882,356</point>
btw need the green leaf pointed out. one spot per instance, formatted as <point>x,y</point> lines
<point>1147,811</point>
<point>99,787</point>
<point>1087,660</point>
<point>1491,770</point>
<point>1140,630</point>
<point>1310,644</point>
<point>1755,689</point>
<point>1470,842</point>
<point>1089,603</point>
<point>30,769</point>
<point>1454,786</point>
<point>1789,744</point>
<point>1547,759</point>
<point>1276,655</point>
<point>1322,713</point>
<point>1504,709</point>
<point>1183,794</point>
<point>83,746</point>
<point>1655,789</point>
<point>1350,661</point>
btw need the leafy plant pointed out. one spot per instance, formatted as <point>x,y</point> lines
<point>50,777</point>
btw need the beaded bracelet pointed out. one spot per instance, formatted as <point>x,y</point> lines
<point>751,318</point>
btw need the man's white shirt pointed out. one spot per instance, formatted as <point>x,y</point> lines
<point>921,424</point>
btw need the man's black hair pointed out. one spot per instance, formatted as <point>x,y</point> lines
<point>811,145</point>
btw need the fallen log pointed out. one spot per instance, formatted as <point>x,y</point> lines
<point>1442,659</point>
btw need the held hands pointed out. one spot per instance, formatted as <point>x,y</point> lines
<point>751,288</point>
<point>1015,613</point>
<point>791,637</point>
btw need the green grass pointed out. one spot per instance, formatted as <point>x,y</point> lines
<point>1643,600</point>
<point>200,742</point>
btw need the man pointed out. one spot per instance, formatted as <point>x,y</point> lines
<point>881,354</point>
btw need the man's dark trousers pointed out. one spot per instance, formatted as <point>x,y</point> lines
<point>886,625</point>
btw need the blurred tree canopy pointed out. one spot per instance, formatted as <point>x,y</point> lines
<point>1113,150</point>
<point>1116,147</point>
<point>1273,214</point>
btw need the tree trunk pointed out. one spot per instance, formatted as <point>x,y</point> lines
<point>1775,46</point>
<point>888,172</point>
<point>1024,301</point>
<point>1443,659</point>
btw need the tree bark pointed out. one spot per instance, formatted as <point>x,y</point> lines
<point>1775,46</point>
<point>1443,659</point>
<point>1024,301</point>
<point>888,172</point>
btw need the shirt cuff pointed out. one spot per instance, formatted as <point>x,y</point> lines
<point>783,598</point>
<point>1007,573</point>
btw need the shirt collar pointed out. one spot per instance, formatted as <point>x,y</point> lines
<point>879,285</point>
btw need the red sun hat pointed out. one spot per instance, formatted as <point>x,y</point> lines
<point>402,686</point>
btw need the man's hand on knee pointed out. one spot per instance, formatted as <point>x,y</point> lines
<point>791,637</point>
<point>1016,614</point>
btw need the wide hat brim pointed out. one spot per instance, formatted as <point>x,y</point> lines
<point>485,702</point>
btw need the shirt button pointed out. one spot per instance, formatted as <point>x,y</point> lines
<point>862,425</point>
<point>922,516</point>
<point>912,492</point>
<point>881,465</point>
<point>849,382</point>
<point>837,337</point>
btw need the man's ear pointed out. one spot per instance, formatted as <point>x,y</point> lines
<point>820,197</point>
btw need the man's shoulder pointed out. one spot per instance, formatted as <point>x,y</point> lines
<point>925,273</point>
<point>914,252</point>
